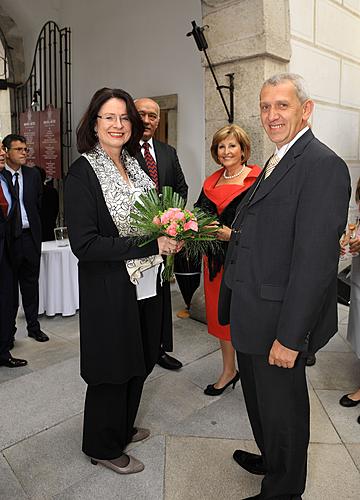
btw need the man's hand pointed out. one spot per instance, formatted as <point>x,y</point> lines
<point>282,356</point>
<point>224,233</point>
<point>354,245</point>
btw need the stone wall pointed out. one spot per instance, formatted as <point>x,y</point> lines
<point>325,42</point>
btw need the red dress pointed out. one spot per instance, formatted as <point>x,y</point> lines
<point>221,196</point>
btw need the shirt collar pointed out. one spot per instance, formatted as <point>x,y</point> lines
<point>284,149</point>
<point>150,142</point>
<point>13,171</point>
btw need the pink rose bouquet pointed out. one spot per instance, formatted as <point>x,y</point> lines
<point>165,215</point>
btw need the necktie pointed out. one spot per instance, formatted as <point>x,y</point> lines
<point>151,165</point>
<point>274,160</point>
<point>18,222</point>
<point>3,202</point>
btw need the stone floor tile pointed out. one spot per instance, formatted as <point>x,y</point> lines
<point>7,374</point>
<point>10,487</point>
<point>205,370</point>
<point>169,400</point>
<point>50,461</point>
<point>332,474</point>
<point>224,417</point>
<point>343,419</point>
<point>354,450</point>
<point>65,327</point>
<point>191,341</point>
<point>334,370</point>
<point>105,484</point>
<point>203,469</point>
<point>337,344</point>
<point>40,400</point>
<point>42,354</point>
<point>321,427</point>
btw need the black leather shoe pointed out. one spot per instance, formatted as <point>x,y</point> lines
<point>310,360</point>
<point>347,402</point>
<point>282,497</point>
<point>358,419</point>
<point>168,362</point>
<point>13,362</point>
<point>39,336</point>
<point>211,390</point>
<point>251,462</point>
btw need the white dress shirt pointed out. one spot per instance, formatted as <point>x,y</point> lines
<point>284,149</point>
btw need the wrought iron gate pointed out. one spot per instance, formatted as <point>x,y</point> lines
<point>49,83</point>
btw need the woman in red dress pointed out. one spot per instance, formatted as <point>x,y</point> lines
<point>221,194</point>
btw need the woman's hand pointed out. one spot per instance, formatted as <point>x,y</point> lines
<point>169,246</point>
<point>224,233</point>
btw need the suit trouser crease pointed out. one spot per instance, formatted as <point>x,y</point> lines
<point>278,408</point>
<point>27,277</point>
<point>111,409</point>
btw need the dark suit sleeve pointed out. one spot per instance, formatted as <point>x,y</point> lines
<point>83,222</point>
<point>180,185</point>
<point>321,218</point>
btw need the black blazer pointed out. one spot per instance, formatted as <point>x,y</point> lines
<point>6,223</point>
<point>169,169</point>
<point>110,332</point>
<point>32,201</point>
<point>281,266</point>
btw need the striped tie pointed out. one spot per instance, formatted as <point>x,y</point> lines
<point>274,160</point>
<point>151,165</point>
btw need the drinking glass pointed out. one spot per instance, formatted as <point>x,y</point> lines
<point>61,236</point>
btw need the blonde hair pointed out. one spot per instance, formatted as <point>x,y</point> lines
<point>238,133</point>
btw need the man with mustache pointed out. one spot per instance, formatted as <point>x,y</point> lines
<point>160,162</point>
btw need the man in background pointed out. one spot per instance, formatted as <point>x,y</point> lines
<point>160,162</point>
<point>7,205</point>
<point>27,232</point>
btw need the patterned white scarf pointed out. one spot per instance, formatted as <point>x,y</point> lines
<point>120,198</point>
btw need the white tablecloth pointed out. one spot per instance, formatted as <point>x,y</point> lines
<point>58,280</point>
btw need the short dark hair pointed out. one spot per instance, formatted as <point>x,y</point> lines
<point>12,138</point>
<point>85,132</point>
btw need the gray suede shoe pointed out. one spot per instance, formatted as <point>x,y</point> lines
<point>132,467</point>
<point>140,435</point>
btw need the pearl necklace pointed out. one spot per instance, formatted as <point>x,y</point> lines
<point>235,175</point>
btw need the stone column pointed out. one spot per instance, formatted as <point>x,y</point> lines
<point>250,38</point>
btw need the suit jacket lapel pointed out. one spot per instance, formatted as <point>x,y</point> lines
<point>161,161</point>
<point>282,168</point>
<point>142,162</point>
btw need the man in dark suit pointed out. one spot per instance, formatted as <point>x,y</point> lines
<point>160,162</point>
<point>27,245</point>
<point>279,285</point>
<point>7,205</point>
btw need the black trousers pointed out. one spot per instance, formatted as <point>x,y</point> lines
<point>27,276</point>
<point>278,407</point>
<point>111,409</point>
<point>167,325</point>
<point>6,305</point>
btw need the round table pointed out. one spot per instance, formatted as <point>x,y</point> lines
<point>58,280</point>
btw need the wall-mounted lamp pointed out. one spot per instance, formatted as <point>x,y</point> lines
<point>35,101</point>
<point>199,37</point>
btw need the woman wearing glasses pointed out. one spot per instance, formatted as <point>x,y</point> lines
<point>221,194</point>
<point>120,296</point>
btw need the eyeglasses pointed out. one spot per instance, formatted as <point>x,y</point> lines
<point>110,118</point>
<point>20,150</point>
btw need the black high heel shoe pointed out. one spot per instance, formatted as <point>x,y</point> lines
<point>212,391</point>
